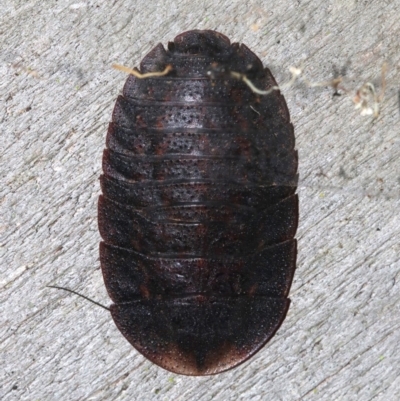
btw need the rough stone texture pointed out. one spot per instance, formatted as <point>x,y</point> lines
<point>340,339</point>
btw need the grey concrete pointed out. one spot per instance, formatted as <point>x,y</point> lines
<point>341,338</point>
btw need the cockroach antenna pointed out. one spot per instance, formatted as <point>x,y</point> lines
<point>138,74</point>
<point>366,98</point>
<point>79,295</point>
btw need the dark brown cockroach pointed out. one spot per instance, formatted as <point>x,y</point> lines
<point>199,212</point>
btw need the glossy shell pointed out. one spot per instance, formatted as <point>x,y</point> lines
<point>199,212</point>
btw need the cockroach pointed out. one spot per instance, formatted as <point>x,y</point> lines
<point>198,210</point>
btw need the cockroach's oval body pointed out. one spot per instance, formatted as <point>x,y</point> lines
<point>199,212</point>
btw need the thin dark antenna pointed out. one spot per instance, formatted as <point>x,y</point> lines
<point>80,295</point>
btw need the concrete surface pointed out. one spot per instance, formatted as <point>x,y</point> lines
<point>341,338</point>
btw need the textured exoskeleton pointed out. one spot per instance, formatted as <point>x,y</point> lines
<point>199,212</point>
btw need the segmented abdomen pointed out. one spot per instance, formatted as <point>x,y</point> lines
<point>198,211</point>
